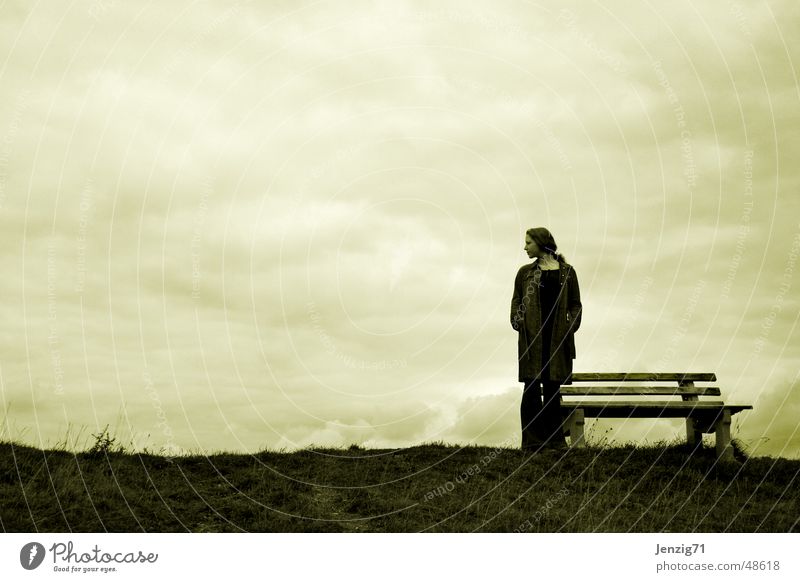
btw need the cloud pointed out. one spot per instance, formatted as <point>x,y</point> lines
<point>770,428</point>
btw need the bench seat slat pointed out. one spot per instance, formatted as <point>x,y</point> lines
<point>640,390</point>
<point>651,409</point>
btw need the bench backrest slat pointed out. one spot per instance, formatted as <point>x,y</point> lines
<point>644,377</point>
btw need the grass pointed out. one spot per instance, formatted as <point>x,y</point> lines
<point>433,487</point>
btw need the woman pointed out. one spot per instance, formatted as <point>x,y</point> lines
<point>546,312</point>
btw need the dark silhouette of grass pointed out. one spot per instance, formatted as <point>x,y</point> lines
<point>433,487</point>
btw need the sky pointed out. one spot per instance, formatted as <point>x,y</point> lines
<point>228,226</point>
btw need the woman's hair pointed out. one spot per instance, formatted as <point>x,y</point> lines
<point>542,237</point>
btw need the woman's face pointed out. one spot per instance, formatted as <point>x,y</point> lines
<point>531,247</point>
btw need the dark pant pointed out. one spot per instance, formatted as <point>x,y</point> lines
<point>541,421</point>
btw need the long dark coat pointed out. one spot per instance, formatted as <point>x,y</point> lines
<point>526,319</point>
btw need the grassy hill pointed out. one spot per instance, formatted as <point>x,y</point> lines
<point>431,488</point>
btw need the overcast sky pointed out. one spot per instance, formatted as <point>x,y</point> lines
<point>228,226</point>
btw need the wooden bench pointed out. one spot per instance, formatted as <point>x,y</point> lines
<point>702,416</point>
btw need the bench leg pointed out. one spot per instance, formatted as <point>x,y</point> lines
<point>723,431</point>
<point>576,435</point>
<point>693,436</point>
